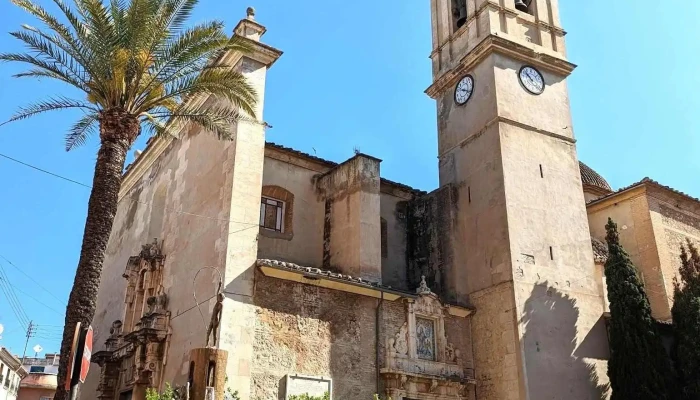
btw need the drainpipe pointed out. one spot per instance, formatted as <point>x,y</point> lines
<point>376,338</point>
<point>471,338</point>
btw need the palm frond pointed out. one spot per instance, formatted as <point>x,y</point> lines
<point>97,18</point>
<point>182,12</point>
<point>63,32</point>
<point>81,131</point>
<point>216,119</point>
<point>59,73</point>
<point>53,53</point>
<point>94,52</point>
<point>187,54</point>
<point>224,84</point>
<point>139,56</point>
<point>54,103</point>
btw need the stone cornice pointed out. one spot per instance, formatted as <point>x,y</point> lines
<point>496,44</point>
<point>142,163</point>
<point>615,198</point>
<point>508,121</point>
<point>260,52</point>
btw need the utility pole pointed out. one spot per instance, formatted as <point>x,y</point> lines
<point>30,333</point>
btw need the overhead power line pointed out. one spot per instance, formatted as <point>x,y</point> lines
<point>32,279</point>
<point>136,201</point>
<point>229,232</point>
<point>36,300</point>
<point>14,303</point>
<point>43,170</point>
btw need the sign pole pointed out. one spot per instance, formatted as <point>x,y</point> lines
<point>75,381</point>
<point>79,361</point>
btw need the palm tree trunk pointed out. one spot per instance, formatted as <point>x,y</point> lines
<point>118,130</point>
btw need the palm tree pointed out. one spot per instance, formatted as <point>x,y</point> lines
<point>140,68</point>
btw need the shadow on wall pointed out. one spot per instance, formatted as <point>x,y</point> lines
<point>548,376</point>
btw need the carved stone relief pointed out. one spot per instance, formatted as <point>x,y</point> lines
<point>420,361</point>
<point>136,347</point>
<point>425,338</point>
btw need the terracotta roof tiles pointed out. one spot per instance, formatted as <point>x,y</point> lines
<point>592,178</point>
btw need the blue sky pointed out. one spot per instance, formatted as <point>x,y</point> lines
<point>353,75</point>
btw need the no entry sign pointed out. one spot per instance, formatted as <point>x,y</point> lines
<point>79,361</point>
<point>87,353</point>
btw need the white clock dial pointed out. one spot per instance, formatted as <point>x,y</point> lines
<point>532,80</point>
<point>464,90</point>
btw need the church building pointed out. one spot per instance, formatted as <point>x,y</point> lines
<point>303,275</point>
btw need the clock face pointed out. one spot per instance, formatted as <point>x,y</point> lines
<point>464,90</point>
<point>532,80</point>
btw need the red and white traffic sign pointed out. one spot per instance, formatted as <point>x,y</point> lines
<point>87,353</point>
<point>85,338</point>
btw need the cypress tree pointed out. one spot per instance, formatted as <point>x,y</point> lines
<point>639,368</point>
<point>686,324</point>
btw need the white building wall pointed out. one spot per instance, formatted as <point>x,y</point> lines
<point>9,384</point>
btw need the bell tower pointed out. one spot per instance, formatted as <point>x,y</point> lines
<point>521,248</point>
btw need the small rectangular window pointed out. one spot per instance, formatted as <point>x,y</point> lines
<point>272,214</point>
<point>36,369</point>
<point>551,252</point>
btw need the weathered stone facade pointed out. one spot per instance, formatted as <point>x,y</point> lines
<point>490,287</point>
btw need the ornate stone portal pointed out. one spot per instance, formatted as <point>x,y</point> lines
<point>419,362</point>
<point>135,351</point>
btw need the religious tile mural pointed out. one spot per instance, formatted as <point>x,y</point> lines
<point>425,338</point>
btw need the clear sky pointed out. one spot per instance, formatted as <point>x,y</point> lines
<point>353,75</point>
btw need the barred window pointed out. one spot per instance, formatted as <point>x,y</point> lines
<point>272,214</point>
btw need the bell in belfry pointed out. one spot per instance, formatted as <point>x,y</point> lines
<point>460,12</point>
<point>522,5</point>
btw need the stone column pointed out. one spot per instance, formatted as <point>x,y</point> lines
<point>236,331</point>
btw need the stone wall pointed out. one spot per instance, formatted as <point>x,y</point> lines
<point>638,236</point>
<point>194,175</point>
<point>429,244</point>
<point>182,192</point>
<point>393,210</point>
<point>313,331</point>
<point>307,330</point>
<point>352,229</point>
<point>494,327</point>
<point>675,219</point>
<point>305,245</point>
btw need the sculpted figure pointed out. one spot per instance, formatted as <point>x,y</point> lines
<point>390,350</point>
<point>401,342</point>
<point>449,352</point>
<point>116,328</point>
<point>213,329</point>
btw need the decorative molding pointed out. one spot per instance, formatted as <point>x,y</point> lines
<point>496,44</point>
<point>419,360</point>
<point>508,121</point>
<point>136,349</point>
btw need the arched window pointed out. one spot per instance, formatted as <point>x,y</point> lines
<point>459,13</point>
<point>276,212</point>
<point>526,6</point>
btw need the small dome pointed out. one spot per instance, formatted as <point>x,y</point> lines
<point>591,178</point>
